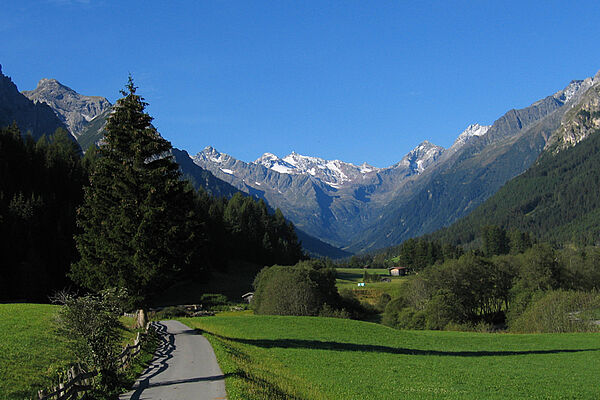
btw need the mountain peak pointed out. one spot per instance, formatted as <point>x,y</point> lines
<point>421,157</point>
<point>473,130</point>
<point>73,109</point>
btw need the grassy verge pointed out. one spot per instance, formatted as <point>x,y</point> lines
<point>141,362</point>
<point>323,358</point>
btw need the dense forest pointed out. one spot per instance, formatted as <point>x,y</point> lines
<point>40,189</point>
<point>42,186</point>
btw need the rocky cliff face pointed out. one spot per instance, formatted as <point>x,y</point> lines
<point>34,119</point>
<point>76,111</point>
<point>582,118</point>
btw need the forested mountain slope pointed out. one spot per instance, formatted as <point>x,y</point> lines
<point>556,199</point>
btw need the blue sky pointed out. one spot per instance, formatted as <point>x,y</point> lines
<point>351,80</point>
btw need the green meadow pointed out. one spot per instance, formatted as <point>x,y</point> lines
<point>348,278</point>
<point>30,352</point>
<point>272,357</point>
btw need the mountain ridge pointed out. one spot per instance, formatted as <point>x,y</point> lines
<point>76,111</point>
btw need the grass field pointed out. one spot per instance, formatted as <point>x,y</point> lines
<point>348,278</point>
<point>269,357</point>
<point>30,352</point>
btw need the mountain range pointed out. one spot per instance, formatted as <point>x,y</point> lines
<point>361,207</point>
<point>52,105</point>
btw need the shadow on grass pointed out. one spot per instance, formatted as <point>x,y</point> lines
<point>338,346</point>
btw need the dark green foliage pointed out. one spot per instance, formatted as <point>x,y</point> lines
<point>560,311</point>
<point>556,200</point>
<point>479,292</point>
<point>257,235</point>
<point>414,254</point>
<point>495,241</point>
<point>92,325</point>
<point>137,221</point>
<point>294,291</point>
<point>242,228</point>
<point>40,190</point>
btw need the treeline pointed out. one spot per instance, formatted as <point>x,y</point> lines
<point>478,292</point>
<point>556,200</point>
<point>414,254</point>
<point>418,253</point>
<point>243,228</point>
<point>41,193</point>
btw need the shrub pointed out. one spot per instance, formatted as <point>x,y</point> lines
<point>92,325</point>
<point>392,311</point>
<point>382,301</point>
<point>559,311</point>
<point>171,312</point>
<point>294,290</point>
<point>329,311</point>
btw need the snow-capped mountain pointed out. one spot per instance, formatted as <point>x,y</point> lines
<point>473,130</point>
<point>327,197</point>
<point>421,157</point>
<point>334,173</point>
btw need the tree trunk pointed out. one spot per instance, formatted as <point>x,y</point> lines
<point>141,319</point>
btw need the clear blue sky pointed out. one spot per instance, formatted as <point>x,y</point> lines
<point>350,80</point>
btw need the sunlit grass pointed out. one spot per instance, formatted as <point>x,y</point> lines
<point>322,358</point>
<point>31,353</point>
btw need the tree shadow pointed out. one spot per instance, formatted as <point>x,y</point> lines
<point>340,346</point>
<point>159,363</point>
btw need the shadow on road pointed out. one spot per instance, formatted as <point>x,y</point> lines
<point>163,353</point>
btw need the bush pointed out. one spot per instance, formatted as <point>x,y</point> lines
<point>559,311</point>
<point>92,325</point>
<point>171,312</point>
<point>294,290</point>
<point>328,311</point>
<point>392,310</point>
<point>382,301</point>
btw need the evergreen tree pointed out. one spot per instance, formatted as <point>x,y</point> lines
<point>137,217</point>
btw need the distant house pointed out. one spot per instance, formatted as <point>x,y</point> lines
<point>398,271</point>
<point>248,297</point>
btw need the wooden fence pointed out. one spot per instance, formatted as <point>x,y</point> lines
<point>78,380</point>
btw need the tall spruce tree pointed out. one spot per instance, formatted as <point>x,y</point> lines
<point>137,222</point>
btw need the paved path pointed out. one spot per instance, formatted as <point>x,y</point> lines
<point>184,367</point>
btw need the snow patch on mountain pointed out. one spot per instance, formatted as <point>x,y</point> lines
<point>473,130</point>
<point>331,172</point>
<point>421,157</point>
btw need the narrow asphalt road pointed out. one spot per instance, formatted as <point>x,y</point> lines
<point>184,367</point>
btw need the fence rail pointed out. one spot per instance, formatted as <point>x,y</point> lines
<point>78,380</point>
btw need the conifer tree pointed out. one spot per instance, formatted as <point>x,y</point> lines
<point>137,217</point>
